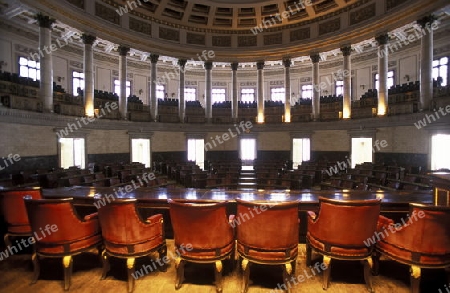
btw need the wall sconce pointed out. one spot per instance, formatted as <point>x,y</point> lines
<point>140,91</point>
<point>407,77</point>
<point>363,86</point>
<point>3,63</point>
<point>325,92</point>
<point>60,78</point>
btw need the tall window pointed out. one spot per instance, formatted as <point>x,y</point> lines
<point>248,149</point>
<point>77,82</point>
<point>160,90</point>
<point>390,80</point>
<point>72,152</point>
<point>301,151</point>
<point>339,88</point>
<point>361,150</point>
<point>196,151</point>
<point>29,68</point>
<point>440,143</point>
<point>117,87</point>
<point>277,94</point>
<point>248,95</point>
<point>440,69</point>
<point>140,151</point>
<point>190,94</point>
<point>218,95</point>
<point>307,91</point>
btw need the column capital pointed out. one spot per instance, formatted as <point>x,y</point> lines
<point>154,58</point>
<point>88,39</point>
<point>208,65</point>
<point>260,65</point>
<point>382,39</point>
<point>426,20</point>
<point>44,20</point>
<point>287,62</point>
<point>123,51</point>
<point>234,66</point>
<point>315,58</point>
<point>182,62</point>
<point>346,51</point>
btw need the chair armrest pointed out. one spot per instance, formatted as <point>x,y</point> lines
<point>312,215</point>
<point>384,222</point>
<point>155,219</point>
<point>91,217</point>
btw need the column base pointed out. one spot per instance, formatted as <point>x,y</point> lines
<point>208,120</point>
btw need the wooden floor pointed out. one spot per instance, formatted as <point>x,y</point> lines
<point>16,273</point>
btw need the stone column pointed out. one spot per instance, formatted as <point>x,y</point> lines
<point>181,102</point>
<point>316,87</point>
<point>123,51</point>
<point>347,76</point>
<point>260,93</point>
<point>208,91</point>
<point>234,103</point>
<point>287,90</point>
<point>426,62</point>
<point>153,99</point>
<point>88,41</point>
<point>383,51</point>
<point>46,71</point>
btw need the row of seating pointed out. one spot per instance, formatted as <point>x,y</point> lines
<point>260,232</point>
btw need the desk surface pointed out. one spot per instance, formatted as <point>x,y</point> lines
<point>160,195</point>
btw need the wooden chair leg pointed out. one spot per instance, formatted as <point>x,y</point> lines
<point>415,279</point>
<point>162,256</point>
<point>376,263</point>
<point>326,273</point>
<point>245,275</point>
<point>368,265</point>
<point>6,240</point>
<point>130,270</point>
<point>179,266</point>
<point>105,264</point>
<point>308,253</point>
<point>67,264</point>
<point>287,275</point>
<point>218,276</point>
<point>36,267</point>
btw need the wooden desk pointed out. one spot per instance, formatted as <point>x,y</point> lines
<point>394,204</point>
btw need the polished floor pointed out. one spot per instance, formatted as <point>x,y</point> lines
<point>16,273</point>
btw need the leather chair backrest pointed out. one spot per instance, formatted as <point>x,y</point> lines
<point>431,232</point>
<point>122,224</point>
<point>202,225</point>
<point>59,212</point>
<point>14,209</point>
<point>347,222</point>
<point>259,226</point>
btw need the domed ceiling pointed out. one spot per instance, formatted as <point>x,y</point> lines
<point>237,31</point>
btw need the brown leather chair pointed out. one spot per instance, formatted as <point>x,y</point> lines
<point>15,213</point>
<point>340,231</point>
<point>60,232</point>
<point>268,237</point>
<point>424,242</point>
<point>127,235</point>
<point>206,229</point>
